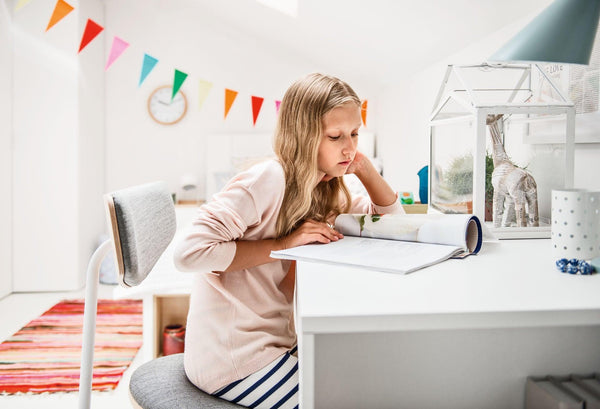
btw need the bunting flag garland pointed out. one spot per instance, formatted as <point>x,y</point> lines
<point>204,88</point>
<point>178,82</point>
<point>147,66</point>
<point>256,105</point>
<point>20,4</point>
<point>118,46</point>
<point>92,29</point>
<point>61,9</point>
<point>230,96</point>
<point>363,112</point>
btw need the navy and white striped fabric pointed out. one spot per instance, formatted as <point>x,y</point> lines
<point>274,386</point>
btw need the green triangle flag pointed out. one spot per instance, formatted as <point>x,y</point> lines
<point>178,82</point>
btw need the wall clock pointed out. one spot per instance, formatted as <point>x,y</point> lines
<point>162,109</point>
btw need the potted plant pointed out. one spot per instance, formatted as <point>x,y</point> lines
<point>459,180</point>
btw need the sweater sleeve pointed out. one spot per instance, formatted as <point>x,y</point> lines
<point>209,244</point>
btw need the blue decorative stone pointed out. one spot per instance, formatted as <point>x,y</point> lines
<point>572,269</point>
<point>574,262</point>
<point>585,268</point>
<point>562,264</point>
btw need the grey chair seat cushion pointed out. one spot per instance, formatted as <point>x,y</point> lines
<point>162,384</point>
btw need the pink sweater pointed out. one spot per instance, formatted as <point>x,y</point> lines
<point>240,321</point>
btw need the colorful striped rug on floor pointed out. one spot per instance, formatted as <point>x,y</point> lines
<point>45,355</point>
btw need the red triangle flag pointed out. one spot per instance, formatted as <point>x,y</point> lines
<point>256,104</point>
<point>92,29</point>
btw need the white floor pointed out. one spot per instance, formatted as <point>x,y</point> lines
<point>17,310</point>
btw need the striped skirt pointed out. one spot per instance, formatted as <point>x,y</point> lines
<point>274,386</point>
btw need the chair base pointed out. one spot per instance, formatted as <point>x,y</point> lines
<point>163,384</point>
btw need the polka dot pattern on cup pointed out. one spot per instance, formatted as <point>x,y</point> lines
<point>575,223</point>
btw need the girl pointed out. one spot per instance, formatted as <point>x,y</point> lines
<point>240,340</point>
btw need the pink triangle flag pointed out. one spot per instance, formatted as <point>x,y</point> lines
<point>118,46</point>
<point>277,105</point>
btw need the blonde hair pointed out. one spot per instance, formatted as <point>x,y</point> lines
<point>297,139</point>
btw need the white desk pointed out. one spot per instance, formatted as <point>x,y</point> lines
<point>460,334</point>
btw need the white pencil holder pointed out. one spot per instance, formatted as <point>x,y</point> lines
<point>575,224</point>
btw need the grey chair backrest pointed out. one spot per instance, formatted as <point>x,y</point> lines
<point>143,224</point>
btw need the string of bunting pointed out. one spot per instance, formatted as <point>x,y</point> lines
<point>93,29</point>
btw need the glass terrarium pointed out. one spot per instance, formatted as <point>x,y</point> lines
<point>501,138</point>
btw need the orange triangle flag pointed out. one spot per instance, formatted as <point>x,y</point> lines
<point>363,112</point>
<point>230,96</point>
<point>61,9</point>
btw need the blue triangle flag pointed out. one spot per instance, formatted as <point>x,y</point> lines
<point>148,65</point>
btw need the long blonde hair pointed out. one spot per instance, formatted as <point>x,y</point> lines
<point>297,139</point>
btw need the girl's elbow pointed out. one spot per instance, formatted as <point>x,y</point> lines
<point>205,257</point>
<point>184,259</point>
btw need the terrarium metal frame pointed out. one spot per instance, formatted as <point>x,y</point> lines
<point>478,111</point>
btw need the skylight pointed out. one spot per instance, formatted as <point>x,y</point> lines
<point>289,7</point>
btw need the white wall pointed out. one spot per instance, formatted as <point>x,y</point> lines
<point>57,131</point>
<point>403,137</point>
<point>91,144</point>
<point>192,40</point>
<point>5,149</point>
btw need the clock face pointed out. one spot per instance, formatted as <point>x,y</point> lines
<point>163,110</point>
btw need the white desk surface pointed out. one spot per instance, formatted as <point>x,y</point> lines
<point>510,283</point>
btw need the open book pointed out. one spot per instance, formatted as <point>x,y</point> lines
<point>394,243</point>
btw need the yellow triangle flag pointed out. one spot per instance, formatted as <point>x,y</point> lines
<point>20,4</point>
<point>230,96</point>
<point>61,9</point>
<point>203,90</point>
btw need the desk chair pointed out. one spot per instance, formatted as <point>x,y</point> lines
<point>142,222</point>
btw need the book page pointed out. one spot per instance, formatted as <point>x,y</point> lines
<point>455,230</point>
<point>382,255</point>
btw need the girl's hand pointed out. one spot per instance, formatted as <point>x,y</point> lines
<point>358,164</point>
<point>310,231</point>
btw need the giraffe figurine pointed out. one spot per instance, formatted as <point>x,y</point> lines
<point>515,190</point>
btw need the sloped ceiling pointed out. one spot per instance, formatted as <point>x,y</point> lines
<point>384,38</point>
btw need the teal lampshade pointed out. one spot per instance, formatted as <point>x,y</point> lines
<point>563,33</point>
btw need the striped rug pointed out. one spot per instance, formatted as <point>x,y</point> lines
<point>45,355</point>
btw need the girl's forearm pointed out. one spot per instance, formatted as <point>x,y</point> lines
<point>252,253</point>
<point>379,191</point>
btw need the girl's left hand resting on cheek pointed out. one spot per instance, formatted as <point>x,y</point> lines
<point>358,164</point>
